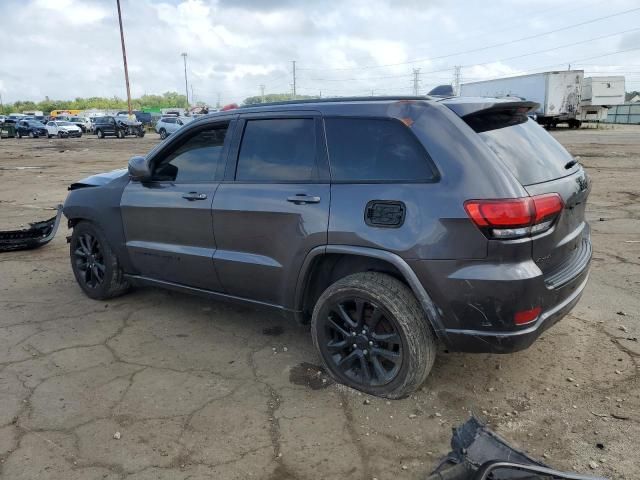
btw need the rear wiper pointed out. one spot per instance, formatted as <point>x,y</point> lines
<point>570,164</point>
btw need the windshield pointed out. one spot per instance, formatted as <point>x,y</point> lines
<point>65,124</point>
<point>35,124</point>
<point>529,152</point>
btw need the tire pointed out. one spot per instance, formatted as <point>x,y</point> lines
<point>163,133</point>
<point>120,134</point>
<point>80,135</point>
<point>49,135</point>
<point>32,135</point>
<point>99,133</point>
<point>60,135</point>
<point>18,134</point>
<point>88,242</point>
<point>410,352</point>
<point>141,133</point>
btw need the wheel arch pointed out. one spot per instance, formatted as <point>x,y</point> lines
<point>319,270</point>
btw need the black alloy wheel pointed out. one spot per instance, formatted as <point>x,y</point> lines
<point>89,260</point>
<point>362,341</point>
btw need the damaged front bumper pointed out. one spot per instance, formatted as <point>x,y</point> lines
<point>37,235</point>
<point>477,453</point>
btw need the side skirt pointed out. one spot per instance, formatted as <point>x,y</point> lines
<point>152,282</point>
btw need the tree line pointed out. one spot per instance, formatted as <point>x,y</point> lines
<point>166,100</point>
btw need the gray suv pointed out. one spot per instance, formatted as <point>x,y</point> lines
<point>389,224</point>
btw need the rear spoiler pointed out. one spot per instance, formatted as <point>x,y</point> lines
<point>491,113</point>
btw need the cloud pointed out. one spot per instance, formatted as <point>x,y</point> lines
<point>71,48</point>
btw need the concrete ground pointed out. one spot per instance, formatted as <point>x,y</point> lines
<point>197,389</point>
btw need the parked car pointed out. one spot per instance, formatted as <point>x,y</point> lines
<point>143,117</point>
<point>170,124</point>
<point>63,129</point>
<point>117,126</point>
<point>82,122</point>
<point>387,224</point>
<point>31,128</point>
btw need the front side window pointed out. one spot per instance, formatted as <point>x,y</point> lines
<point>375,150</point>
<point>278,150</point>
<point>194,160</point>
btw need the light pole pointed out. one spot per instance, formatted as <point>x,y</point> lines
<point>124,58</point>
<point>186,89</point>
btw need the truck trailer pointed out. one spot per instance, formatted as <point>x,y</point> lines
<point>558,94</point>
<point>598,94</point>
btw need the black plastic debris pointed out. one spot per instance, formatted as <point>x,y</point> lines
<point>35,236</point>
<point>477,453</point>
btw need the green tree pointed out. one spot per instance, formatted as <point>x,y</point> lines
<point>274,97</point>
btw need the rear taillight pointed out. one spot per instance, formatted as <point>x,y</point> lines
<point>527,316</point>
<point>515,217</point>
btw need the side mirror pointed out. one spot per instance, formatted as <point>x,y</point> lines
<point>139,169</point>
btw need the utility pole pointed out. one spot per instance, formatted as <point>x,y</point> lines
<point>294,78</point>
<point>186,90</point>
<point>456,79</point>
<point>124,58</point>
<point>416,81</point>
<point>193,97</point>
<point>218,102</point>
<point>261,93</point>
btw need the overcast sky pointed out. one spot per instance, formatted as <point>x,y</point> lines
<point>71,48</point>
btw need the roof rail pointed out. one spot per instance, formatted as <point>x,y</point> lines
<point>339,99</point>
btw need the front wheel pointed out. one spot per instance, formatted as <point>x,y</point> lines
<point>18,134</point>
<point>60,135</point>
<point>94,264</point>
<point>163,134</point>
<point>32,135</point>
<point>373,335</point>
<point>100,133</point>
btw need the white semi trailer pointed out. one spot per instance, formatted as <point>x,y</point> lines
<point>558,93</point>
<point>598,94</point>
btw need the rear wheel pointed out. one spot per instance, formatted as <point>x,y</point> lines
<point>60,135</point>
<point>120,134</point>
<point>99,133</point>
<point>373,335</point>
<point>18,134</point>
<point>32,135</point>
<point>94,264</point>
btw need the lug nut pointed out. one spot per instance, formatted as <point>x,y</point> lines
<point>364,331</point>
<point>355,346</point>
<point>365,351</point>
<point>371,343</point>
<point>353,334</point>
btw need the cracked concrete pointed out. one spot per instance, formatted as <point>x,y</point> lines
<point>196,390</point>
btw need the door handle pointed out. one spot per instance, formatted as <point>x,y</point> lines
<point>191,196</point>
<point>301,198</point>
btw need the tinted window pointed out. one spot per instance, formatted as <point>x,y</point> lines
<point>529,152</point>
<point>195,160</point>
<point>278,150</point>
<point>362,149</point>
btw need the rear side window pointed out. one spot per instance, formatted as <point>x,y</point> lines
<point>195,160</point>
<point>278,150</point>
<point>169,120</point>
<point>375,150</point>
<point>529,152</point>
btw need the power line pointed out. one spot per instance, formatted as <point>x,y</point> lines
<point>529,37</point>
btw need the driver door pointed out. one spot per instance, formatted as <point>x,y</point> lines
<point>168,221</point>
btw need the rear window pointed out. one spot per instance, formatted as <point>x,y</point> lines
<point>529,152</point>
<point>375,150</point>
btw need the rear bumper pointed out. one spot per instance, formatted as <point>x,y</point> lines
<point>481,341</point>
<point>477,299</point>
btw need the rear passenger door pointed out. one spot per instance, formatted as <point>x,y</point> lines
<point>273,206</point>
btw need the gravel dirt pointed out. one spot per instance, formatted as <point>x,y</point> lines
<point>160,385</point>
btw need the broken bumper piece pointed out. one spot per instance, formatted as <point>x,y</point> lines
<point>477,453</point>
<point>37,235</point>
